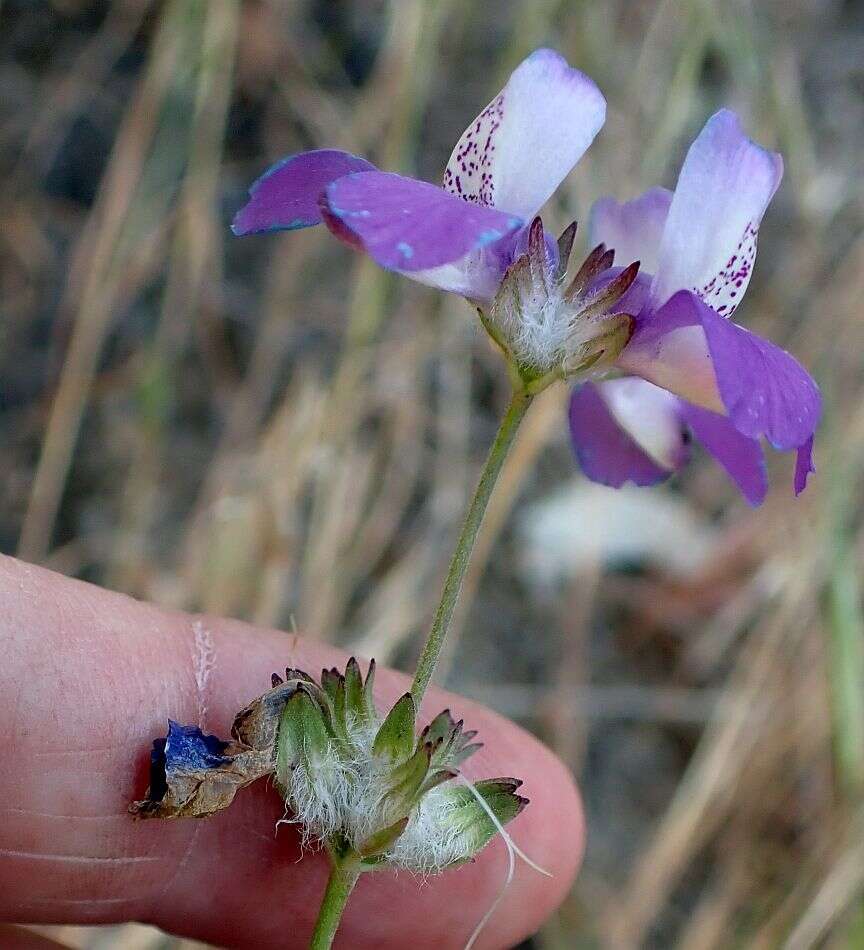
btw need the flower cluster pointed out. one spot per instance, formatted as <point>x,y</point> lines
<point>366,789</point>
<point>678,363</point>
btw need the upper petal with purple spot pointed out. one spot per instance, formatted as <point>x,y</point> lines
<point>524,143</point>
<point>709,241</point>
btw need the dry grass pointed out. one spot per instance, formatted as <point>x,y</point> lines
<point>275,430</point>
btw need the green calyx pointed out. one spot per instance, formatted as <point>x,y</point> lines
<point>472,821</point>
<point>549,329</point>
<point>374,792</point>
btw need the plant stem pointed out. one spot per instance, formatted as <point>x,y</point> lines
<point>459,563</point>
<point>342,879</point>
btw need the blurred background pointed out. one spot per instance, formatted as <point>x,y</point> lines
<point>271,428</point>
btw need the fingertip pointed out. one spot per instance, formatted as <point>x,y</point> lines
<point>231,878</point>
<point>18,938</point>
<point>550,831</point>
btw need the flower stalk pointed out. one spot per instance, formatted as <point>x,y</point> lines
<point>519,404</point>
<point>343,877</point>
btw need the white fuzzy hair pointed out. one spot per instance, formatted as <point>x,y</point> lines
<point>346,795</point>
<point>543,326</point>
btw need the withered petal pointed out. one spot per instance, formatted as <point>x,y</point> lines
<point>193,774</point>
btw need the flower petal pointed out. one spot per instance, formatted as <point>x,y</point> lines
<point>193,774</point>
<point>633,229</point>
<point>408,225</point>
<point>286,196</point>
<point>765,390</point>
<point>690,350</point>
<point>740,456</point>
<point>626,430</point>
<point>526,141</point>
<point>709,242</point>
<point>475,277</point>
<point>803,465</point>
<point>668,348</point>
<point>478,276</point>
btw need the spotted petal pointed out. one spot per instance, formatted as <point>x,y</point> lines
<point>633,229</point>
<point>687,348</point>
<point>525,142</point>
<point>408,225</point>
<point>709,241</point>
<point>286,196</point>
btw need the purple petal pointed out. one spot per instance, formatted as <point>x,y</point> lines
<point>668,348</point>
<point>803,465</point>
<point>765,390</point>
<point>605,442</point>
<point>690,350</point>
<point>633,229</point>
<point>409,225</point>
<point>740,456</point>
<point>286,196</point>
<point>525,142</point>
<point>709,242</point>
<point>479,275</point>
<point>189,747</point>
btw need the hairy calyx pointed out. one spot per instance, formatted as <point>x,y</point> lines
<point>546,325</point>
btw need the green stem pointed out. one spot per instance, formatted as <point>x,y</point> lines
<point>459,563</point>
<point>342,879</point>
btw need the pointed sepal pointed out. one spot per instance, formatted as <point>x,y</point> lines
<point>471,821</point>
<point>354,705</point>
<point>371,712</point>
<point>565,248</point>
<point>394,741</point>
<point>303,738</point>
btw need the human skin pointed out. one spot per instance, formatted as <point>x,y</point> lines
<point>89,677</point>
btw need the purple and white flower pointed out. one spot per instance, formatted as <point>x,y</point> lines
<point>690,368</point>
<point>461,237</point>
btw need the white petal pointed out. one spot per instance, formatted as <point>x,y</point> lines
<point>476,277</point>
<point>649,415</point>
<point>709,242</point>
<point>524,143</point>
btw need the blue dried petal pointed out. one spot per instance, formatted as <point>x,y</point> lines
<point>185,748</point>
<point>188,747</point>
